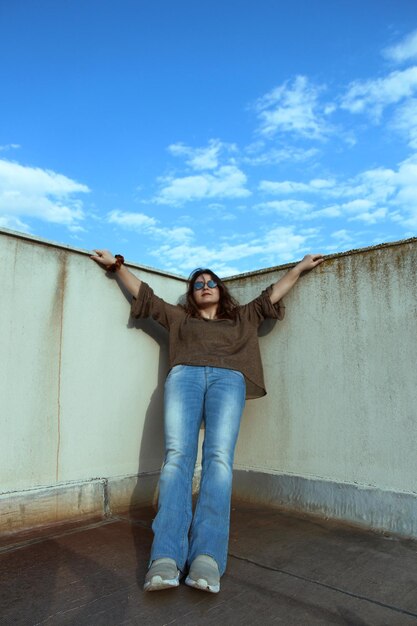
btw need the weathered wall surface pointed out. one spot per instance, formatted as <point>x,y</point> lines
<point>81,382</point>
<point>337,432</point>
<point>81,388</point>
<point>341,374</point>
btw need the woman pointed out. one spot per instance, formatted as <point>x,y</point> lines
<point>214,366</point>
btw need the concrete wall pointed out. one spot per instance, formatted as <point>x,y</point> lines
<point>80,385</point>
<point>342,404</point>
<point>81,389</point>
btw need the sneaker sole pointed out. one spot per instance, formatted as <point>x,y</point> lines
<point>157,583</point>
<point>202,584</point>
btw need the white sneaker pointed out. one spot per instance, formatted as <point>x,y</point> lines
<point>204,574</point>
<point>163,574</point>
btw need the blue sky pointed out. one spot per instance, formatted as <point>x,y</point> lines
<point>237,134</point>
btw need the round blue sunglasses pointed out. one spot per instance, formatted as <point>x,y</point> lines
<point>200,285</point>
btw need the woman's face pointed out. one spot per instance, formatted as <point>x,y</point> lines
<point>207,296</point>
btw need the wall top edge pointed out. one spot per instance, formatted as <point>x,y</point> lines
<point>335,255</point>
<point>266,270</point>
<point>64,246</point>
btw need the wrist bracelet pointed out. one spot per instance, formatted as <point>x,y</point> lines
<point>116,265</point>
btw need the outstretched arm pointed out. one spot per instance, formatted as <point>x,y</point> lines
<point>128,280</point>
<point>287,282</point>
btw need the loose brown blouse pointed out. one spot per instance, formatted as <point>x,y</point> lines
<point>232,344</point>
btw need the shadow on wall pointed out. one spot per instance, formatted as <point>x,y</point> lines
<point>152,441</point>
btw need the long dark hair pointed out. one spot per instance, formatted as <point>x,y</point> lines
<point>227,304</point>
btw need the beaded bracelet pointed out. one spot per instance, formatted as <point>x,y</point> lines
<point>116,265</point>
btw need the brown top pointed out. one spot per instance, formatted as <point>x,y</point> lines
<point>232,344</point>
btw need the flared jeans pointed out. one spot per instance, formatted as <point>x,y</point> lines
<point>192,395</point>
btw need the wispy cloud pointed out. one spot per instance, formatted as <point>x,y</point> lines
<point>405,50</point>
<point>149,226</point>
<point>276,245</point>
<point>14,223</point>
<point>44,194</point>
<point>372,196</point>
<point>316,185</point>
<point>405,122</point>
<point>406,197</point>
<point>9,146</point>
<point>293,108</point>
<point>374,95</point>
<point>370,217</point>
<point>228,181</point>
<point>202,158</point>
<point>342,239</point>
<point>136,221</point>
<point>343,235</point>
<point>258,154</point>
<point>346,209</point>
<point>296,209</point>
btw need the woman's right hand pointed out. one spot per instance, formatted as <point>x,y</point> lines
<point>103,258</point>
<point>131,282</point>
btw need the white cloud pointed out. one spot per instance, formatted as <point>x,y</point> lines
<point>136,221</point>
<point>371,196</point>
<point>293,108</point>
<point>342,235</point>
<point>329,108</point>
<point>9,146</point>
<point>378,185</point>
<point>146,225</point>
<point>35,180</point>
<point>277,245</point>
<point>217,212</point>
<point>406,198</point>
<point>345,209</point>
<point>405,121</point>
<point>358,205</point>
<point>294,208</point>
<point>14,223</point>
<point>406,50</point>
<point>175,234</point>
<point>282,245</point>
<point>202,158</point>
<point>317,185</point>
<point>43,194</point>
<point>257,154</point>
<point>373,96</point>
<point>371,217</point>
<point>227,181</point>
<point>188,260</point>
<point>328,211</point>
<point>344,239</point>
<point>377,195</point>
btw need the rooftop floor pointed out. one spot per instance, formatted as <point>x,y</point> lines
<point>282,569</point>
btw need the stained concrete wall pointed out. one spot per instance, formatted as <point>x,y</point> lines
<point>80,385</point>
<point>81,389</point>
<point>338,428</point>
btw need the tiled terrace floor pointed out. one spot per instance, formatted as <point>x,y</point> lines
<point>283,569</point>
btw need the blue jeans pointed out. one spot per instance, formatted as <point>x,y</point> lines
<point>192,394</point>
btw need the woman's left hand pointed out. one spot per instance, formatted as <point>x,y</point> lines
<point>287,282</point>
<point>309,262</point>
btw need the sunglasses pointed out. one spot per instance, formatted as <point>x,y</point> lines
<point>200,285</point>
